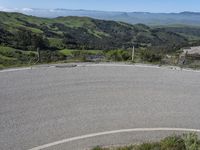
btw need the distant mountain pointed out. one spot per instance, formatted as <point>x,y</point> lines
<point>190,13</point>
<point>186,18</point>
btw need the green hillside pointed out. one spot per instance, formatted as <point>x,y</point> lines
<point>83,32</point>
<point>190,32</point>
<point>27,33</point>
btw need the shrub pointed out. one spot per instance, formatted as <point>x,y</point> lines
<point>150,56</point>
<point>149,146</point>
<point>185,142</point>
<point>98,148</point>
<point>191,141</point>
<point>118,55</point>
<point>173,143</point>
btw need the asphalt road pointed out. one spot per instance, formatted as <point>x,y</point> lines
<point>47,104</point>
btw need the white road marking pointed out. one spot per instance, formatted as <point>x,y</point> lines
<point>15,69</point>
<point>112,132</point>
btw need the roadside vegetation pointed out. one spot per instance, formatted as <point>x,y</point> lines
<point>184,142</point>
<point>72,39</point>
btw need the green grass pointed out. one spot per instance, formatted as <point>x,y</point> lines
<point>98,34</point>
<point>34,30</point>
<point>184,142</point>
<point>9,51</point>
<point>7,58</point>
<point>10,57</point>
<point>118,55</point>
<point>56,42</point>
<point>69,52</point>
<point>66,52</point>
<point>5,50</point>
<point>2,66</point>
<point>75,22</point>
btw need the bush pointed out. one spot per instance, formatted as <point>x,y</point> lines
<point>1,66</point>
<point>51,56</point>
<point>118,55</point>
<point>191,141</point>
<point>185,142</point>
<point>173,143</point>
<point>150,56</point>
<point>98,148</point>
<point>149,146</point>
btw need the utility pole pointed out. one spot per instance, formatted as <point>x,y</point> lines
<point>39,55</point>
<point>133,53</point>
<point>185,57</point>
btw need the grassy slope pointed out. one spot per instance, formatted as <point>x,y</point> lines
<point>13,57</point>
<point>69,52</point>
<point>86,33</point>
<point>91,28</point>
<point>12,21</point>
<point>190,32</point>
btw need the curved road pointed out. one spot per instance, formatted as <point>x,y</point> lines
<point>47,104</point>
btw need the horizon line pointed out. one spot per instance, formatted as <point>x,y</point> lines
<point>26,9</point>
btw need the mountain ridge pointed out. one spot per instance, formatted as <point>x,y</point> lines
<point>79,32</point>
<point>148,18</point>
<point>22,35</point>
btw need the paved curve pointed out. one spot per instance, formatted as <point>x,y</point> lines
<point>44,105</point>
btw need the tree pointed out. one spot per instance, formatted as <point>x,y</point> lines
<point>23,39</point>
<point>26,40</point>
<point>38,41</point>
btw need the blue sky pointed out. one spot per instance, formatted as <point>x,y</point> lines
<point>108,5</point>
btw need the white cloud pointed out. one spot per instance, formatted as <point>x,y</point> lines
<point>52,10</point>
<point>27,9</point>
<point>8,9</point>
<point>15,9</point>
